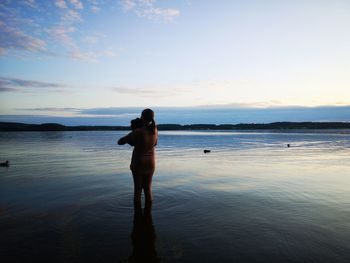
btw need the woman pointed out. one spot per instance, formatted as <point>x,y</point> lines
<point>143,157</point>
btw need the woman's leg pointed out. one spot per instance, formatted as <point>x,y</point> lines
<point>147,187</point>
<point>138,181</point>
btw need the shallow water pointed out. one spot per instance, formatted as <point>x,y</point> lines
<point>67,197</point>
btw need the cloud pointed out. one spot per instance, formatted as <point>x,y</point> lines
<point>6,89</point>
<point>51,109</point>
<point>61,33</point>
<point>61,4</point>
<point>147,2</point>
<point>156,12</point>
<point>77,4</point>
<point>16,84</point>
<point>15,39</point>
<point>159,91</point>
<point>30,3</point>
<point>148,9</point>
<point>182,115</point>
<point>94,6</point>
<point>64,31</point>
<point>134,91</point>
<point>87,56</point>
<point>83,120</point>
<point>147,92</point>
<point>128,4</point>
<point>109,54</point>
<point>111,111</point>
<point>91,39</point>
<point>70,16</point>
<point>223,115</point>
<point>259,104</point>
<point>91,56</point>
<point>52,28</point>
<point>19,32</point>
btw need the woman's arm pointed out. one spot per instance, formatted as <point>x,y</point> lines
<point>130,139</point>
<point>122,140</point>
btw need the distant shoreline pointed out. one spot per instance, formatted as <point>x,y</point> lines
<point>13,126</point>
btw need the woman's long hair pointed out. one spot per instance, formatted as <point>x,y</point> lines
<point>148,117</point>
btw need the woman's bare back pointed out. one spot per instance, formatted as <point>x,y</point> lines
<point>143,156</point>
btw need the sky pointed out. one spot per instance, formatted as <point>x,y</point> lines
<point>193,61</point>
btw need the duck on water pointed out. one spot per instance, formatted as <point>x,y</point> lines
<point>5,164</point>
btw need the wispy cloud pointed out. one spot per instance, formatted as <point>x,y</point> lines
<point>95,6</point>
<point>86,111</point>
<point>62,34</point>
<point>134,91</point>
<point>70,16</point>
<point>157,12</point>
<point>61,4</point>
<point>150,92</point>
<point>22,34</point>
<point>128,4</point>
<point>109,53</point>
<point>259,104</point>
<point>125,113</point>
<point>114,111</point>
<point>21,85</point>
<point>149,9</point>
<point>12,38</point>
<point>181,115</point>
<point>91,39</point>
<point>65,30</point>
<point>91,56</point>
<point>31,3</point>
<point>77,4</point>
<point>51,109</point>
<point>6,89</point>
<point>54,28</point>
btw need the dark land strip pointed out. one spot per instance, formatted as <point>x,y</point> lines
<point>13,126</point>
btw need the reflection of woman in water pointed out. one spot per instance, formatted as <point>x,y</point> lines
<point>143,236</point>
<point>144,140</point>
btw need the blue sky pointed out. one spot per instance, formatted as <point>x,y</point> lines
<point>207,61</point>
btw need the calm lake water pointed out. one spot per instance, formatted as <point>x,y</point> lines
<point>67,197</point>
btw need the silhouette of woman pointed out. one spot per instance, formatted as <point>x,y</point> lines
<point>142,165</point>
<point>143,236</point>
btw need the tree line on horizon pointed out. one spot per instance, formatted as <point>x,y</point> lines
<point>12,126</point>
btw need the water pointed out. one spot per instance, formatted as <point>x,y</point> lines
<point>67,197</point>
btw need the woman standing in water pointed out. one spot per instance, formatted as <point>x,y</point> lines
<point>144,140</point>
